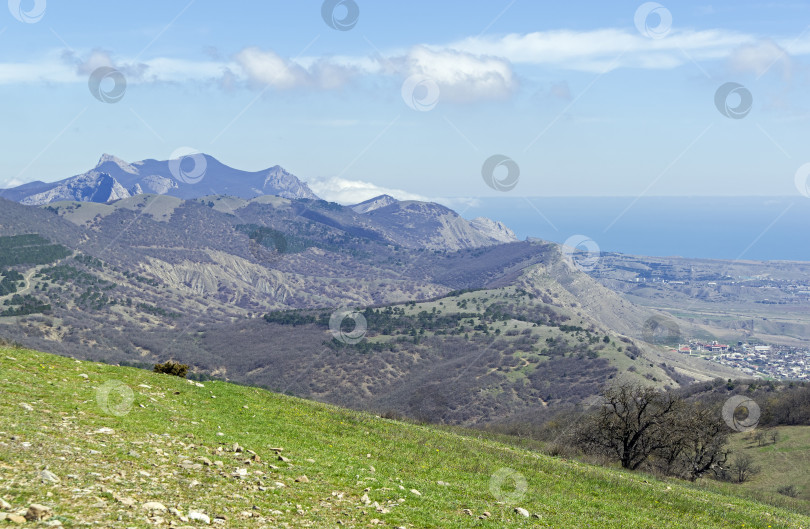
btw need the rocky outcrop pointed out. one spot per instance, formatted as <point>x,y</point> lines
<point>91,187</point>
<point>497,231</point>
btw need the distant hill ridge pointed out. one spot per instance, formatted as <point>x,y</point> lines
<point>187,178</point>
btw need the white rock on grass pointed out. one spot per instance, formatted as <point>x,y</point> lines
<point>154,506</point>
<point>521,511</point>
<point>199,517</point>
<point>37,512</point>
<point>47,475</point>
<point>126,501</point>
<point>104,431</point>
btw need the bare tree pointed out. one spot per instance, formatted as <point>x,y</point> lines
<point>631,424</point>
<point>759,437</point>
<point>700,437</point>
<point>742,468</point>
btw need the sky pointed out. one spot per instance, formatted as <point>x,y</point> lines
<point>451,100</point>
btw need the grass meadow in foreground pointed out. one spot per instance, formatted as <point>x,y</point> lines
<point>122,447</point>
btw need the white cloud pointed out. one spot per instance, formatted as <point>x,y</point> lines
<point>345,191</point>
<point>268,68</point>
<point>160,69</point>
<point>605,49</point>
<point>96,59</point>
<point>461,76</point>
<point>45,72</point>
<point>349,192</point>
<point>10,183</point>
<point>760,57</point>
<point>471,69</point>
<point>169,70</point>
<point>329,75</point>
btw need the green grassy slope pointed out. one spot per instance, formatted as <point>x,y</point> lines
<point>783,463</point>
<point>113,454</point>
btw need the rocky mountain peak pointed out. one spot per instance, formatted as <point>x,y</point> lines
<point>116,161</point>
<point>279,181</point>
<point>371,204</point>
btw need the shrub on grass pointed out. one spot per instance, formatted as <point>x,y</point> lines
<point>788,490</point>
<point>172,368</point>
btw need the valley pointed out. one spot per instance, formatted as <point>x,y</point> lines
<point>157,278</point>
<point>465,331</point>
<point>733,300</point>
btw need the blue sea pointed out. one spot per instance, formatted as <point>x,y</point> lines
<point>759,228</point>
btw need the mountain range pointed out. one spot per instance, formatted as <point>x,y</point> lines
<point>199,175</point>
<point>188,177</point>
<point>464,323</point>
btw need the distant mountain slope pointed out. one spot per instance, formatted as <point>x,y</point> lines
<point>411,223</point>
<point>266,253</point>
<point>196,176</point>
<point>16,219</point>
<point>412,217</point>
<point>151,277</point>
<point>495,230</point>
